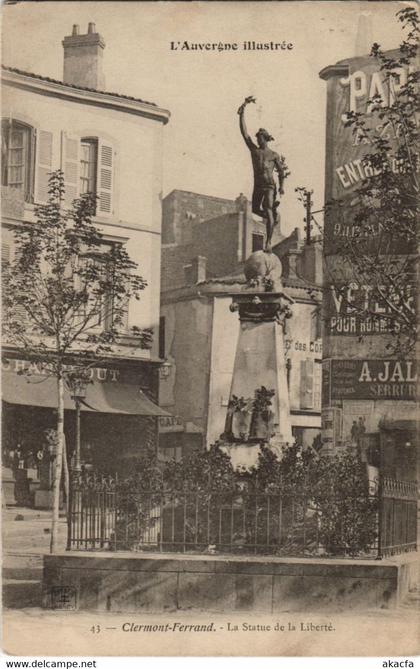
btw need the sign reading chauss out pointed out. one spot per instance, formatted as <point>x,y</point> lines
<point>33,368</point>
<point>373,379</point>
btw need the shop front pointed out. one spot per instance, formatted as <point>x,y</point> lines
<point>118,422</point>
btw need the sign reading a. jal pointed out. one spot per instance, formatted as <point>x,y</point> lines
<point>372,379</point>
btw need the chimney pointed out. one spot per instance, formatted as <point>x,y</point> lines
<point>364,35</point>
<point>83,59</point>
<point>196,271</point>
<point>291,261</point>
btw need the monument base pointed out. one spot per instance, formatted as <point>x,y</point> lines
<point>259,410</point>
<point>168,582</point>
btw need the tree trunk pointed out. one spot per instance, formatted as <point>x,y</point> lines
<point>58,464</point>
<point>66,476</point>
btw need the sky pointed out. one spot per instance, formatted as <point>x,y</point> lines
<point>203,149</point>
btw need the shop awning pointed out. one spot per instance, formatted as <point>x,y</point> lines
<point>111,397</point>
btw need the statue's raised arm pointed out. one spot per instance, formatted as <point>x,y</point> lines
<point>265,162</point>
<point>244,132</point>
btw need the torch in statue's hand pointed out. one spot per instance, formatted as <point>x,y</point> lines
<point>247,101</point>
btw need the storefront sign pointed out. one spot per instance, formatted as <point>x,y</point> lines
<point>171,424</point>
<point>345,304</point>
<point>303,346</point>
<point>351,94</point>
<point>373,379</point>
<point>347,150</point>
<point>41,369</point>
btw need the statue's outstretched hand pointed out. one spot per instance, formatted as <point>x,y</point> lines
<point>249,99</point>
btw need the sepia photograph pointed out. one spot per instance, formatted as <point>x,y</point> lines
<point>209,267</point>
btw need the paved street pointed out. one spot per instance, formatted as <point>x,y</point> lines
<point>29,629</point>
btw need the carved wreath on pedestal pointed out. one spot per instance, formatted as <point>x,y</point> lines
<point>250,419</point>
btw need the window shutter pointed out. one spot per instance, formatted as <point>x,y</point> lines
<point>5,254</point>
<point>306,384</point>
<point>44,146</point>
<point>162,351</point>
<point>105,180</point>
<point>70,166</point>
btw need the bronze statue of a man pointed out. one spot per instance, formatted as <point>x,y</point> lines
<point>264,162</point>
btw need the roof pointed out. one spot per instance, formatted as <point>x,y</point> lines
<point>292,282</point>
<point>200,195</point>
<point>73,86</point>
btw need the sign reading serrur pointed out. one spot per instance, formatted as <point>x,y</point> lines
<point>373,379</point>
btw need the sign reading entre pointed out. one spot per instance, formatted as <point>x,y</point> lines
<point>347,149</point>
<point>373,379</point>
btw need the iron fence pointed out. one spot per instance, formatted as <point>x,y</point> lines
<point>397,517</point>
<point>103,516</point>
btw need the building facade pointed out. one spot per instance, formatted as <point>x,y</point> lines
<point>200,333</point>
<point>369,394</point>
<point>111,145</point>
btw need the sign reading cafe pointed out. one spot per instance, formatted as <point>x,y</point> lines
<point>373,379</point>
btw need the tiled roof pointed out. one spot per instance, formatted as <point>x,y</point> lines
<point>80,88</point>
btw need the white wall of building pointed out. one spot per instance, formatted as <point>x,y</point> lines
<point>137,177</point>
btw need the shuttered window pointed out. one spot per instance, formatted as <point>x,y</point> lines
<point>44,152</point>
<point>105,178</point>
<point>316,324</point>
<point>317,385</point>
<point>70,167</point>
<point>5,254</point>
<point>307,384</point>
<point>88,165</point>
<point>17,164</point>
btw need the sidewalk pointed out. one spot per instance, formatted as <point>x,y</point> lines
<point>32,534</point>
<point>25,541</point>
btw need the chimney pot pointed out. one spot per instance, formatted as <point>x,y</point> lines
<point>83,59</point>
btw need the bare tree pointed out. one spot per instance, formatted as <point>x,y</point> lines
<point>66,294</point>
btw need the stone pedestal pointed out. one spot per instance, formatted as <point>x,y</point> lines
<point>259,364</point>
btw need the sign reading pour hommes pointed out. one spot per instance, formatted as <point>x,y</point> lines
<point>341,303</point>
<point>373,379</point>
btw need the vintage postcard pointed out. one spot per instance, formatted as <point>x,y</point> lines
<point>209,387</point>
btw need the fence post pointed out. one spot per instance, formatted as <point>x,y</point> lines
<point>69,512</point>
<point>380,515</point>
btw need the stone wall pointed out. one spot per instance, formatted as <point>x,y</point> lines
<point>159,583</point>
